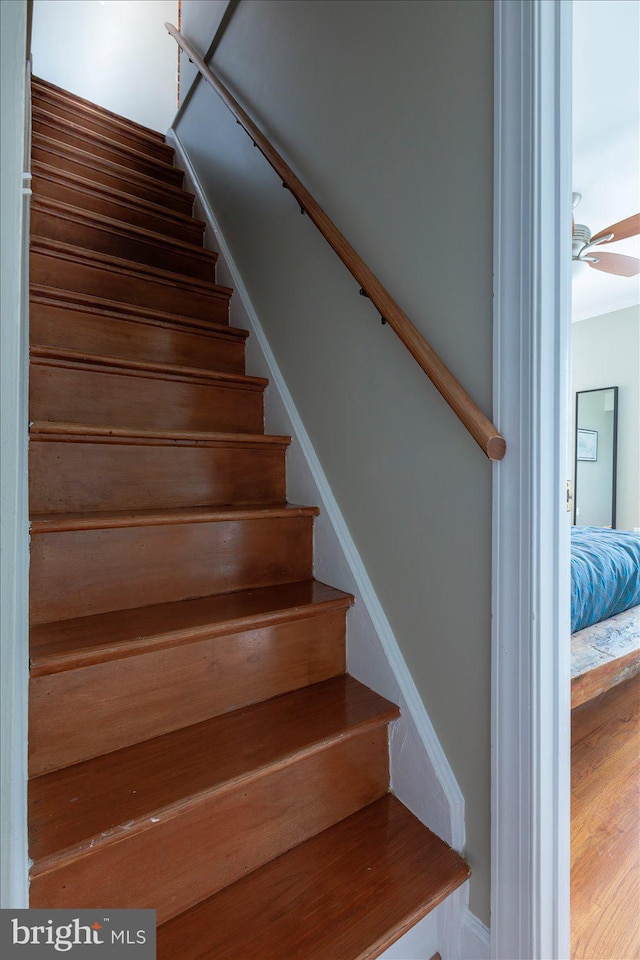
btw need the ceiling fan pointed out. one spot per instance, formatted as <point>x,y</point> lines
<point>586,248</point>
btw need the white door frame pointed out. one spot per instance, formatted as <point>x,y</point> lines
<point>14,530</point>
<point>531,628</point>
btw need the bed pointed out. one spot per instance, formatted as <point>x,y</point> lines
<point>605,609</point>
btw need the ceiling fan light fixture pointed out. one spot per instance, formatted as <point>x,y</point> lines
<point>579,268</point>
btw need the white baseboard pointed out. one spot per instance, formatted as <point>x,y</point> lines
<point>420,942</point>
<point>420,774</point>
<point>475,941</point>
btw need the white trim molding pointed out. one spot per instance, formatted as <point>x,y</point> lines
<point>476,939</point>
<point>14,530</point>
<point>530,644</point>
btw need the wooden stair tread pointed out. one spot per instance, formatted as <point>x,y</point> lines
<point>50,523</point>
<point>67,357</point>
<point>347,893</point>
<point>162,168</point>
<point>125,175</point>
<point>38,84</point>
<point>121,228</point>
<point>127,268</point>
<point>71,300</point>
<point>157,777</point>
<point>66,644</point>
<point>91,187</point>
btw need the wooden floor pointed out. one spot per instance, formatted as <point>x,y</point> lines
<point>605,826</point>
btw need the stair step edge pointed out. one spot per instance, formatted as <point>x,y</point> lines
<point>374,711</point>
<point>62,523</point>
<point>115,309</point>
<point>48,658</point>
<point>52,430</point>
<point>66,211</point>
<point>91,361</point>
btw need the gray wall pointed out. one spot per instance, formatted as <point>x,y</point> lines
<point>385,110</point>
<point>606,353</point>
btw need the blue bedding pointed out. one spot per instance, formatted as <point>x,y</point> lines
<point>605,574</point>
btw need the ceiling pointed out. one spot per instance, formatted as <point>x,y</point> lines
<point>606,141</point>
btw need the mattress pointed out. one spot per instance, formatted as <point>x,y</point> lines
<point>605,574</point>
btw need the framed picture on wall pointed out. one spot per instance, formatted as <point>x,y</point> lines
<point>587,445</point>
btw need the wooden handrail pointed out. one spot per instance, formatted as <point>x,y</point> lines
<point>478,425</point>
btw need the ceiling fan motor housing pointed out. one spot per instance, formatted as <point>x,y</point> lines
<point>581,237</point>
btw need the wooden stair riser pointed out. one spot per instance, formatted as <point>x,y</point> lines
<point>84,275</point>
<point>78,163</point>
<point>181,859</point>
<point>79,228</point>
<point>77,573</point>
<point>101,125</point>
<point>52,185</point>
<point>41,87</point>
<point>69,474</point>
<point>120,398</point>
<point>90,329</point>
<point>54,128</point>
<point>83,713</point>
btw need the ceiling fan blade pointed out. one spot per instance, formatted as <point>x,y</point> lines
<point>616,263</point>
<point>621,230</point>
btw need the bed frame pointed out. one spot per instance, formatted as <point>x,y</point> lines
<point>604,655</point>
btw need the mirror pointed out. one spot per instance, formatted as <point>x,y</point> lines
<point>595,457</point>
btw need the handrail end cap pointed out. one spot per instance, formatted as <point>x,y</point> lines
<point>496,447</point>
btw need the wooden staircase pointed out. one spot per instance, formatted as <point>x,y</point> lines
<point>195,745</point>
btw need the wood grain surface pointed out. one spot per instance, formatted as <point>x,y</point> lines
<point>88,469</point>
<point>80,163</point>
<point>52,184</point>
<point>66,267</point>
<point>57,128</point>
<point>349,892</point>
<point>88,324</point>
<point>114,395</point>
<point>605,826</point>
<point>203,806</point>
<point>133,561</point>
<point>64,645</point>
<point>83,713</point>
<point>55,220</point>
